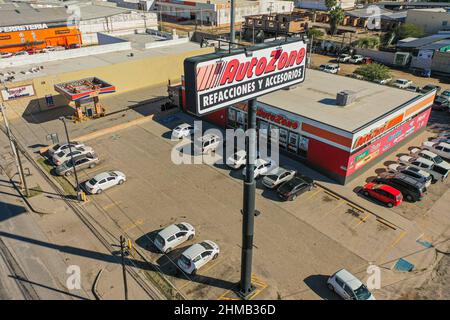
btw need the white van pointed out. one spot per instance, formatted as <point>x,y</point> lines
<point>206,144</point>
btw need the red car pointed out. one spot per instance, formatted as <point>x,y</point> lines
<point>383,193</point>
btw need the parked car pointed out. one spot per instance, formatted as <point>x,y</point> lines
<point>237,160</point>
<point>172,236</point>
<point>440,104</point>
<point>382,81</point>
<point>182,130</point>
<point>413,172</point>
<point>80,162</point>
<point>445,94</point>
<point>411,189</point>
<point>442,149</point>
<point>439,172</point>
<point>344,58</point>
<point>426,154</point>
<point>331,68</point>
<point>388,195</point>
<point>197,255</point>
<point>48,49</point>
<point>274,180</point>
<point>64,147</point>
<point>430,87</point>
<point>294,187</point>
<point>21,53</point>
<point>6,55</point>
<point>322,67</point>
<point>402,83</point>
<point>62,156</point>
<point>348,287</point>
<point>356,76</point>
<point>356,59</point>
<point>262,167</point>
<point>367,60</point>
<point>206,144</point>
<point>413,88</point>
<point>104,181</point>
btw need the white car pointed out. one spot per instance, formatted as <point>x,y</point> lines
<point>6,55</point>
<point>64,147</point>
<point>357,58</point>
<point>331,68</point>
<point>438,172</point>
<point>197,255</point>
<point>382,81</point>
<point>104,180</point>
<point>21,53</point>
<point>172,236</point>
<point>273,180</point>
<point>344,57</point>
<point>237,160</point>
<point>348,287</point>
<point>402,83</point>
<point>262,167</point>
<point>413,172</point>
<point>63,156</point>
<point>183,130</point>
<point>433,157</point>
<point>441,149</point>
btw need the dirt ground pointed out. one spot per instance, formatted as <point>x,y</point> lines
<point>348,68</point>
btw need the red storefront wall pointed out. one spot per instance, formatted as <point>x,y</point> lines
<point>327,157</point>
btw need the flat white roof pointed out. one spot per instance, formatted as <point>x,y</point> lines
<point>315,98</point>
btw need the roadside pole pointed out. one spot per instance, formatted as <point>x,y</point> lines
<point>25,186</point>
<point>13,147</point>
<point>248,211</point>
<point>124,271</point>
<point>80,196</point>
<point>232,26</point>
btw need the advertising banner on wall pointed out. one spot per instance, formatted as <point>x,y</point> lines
<point>218,80</point>
<point>17,92</point>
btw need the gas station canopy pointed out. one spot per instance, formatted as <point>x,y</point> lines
<point>85,88</point>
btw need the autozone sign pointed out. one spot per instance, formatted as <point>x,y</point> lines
<point>276,118</point>
<point>218,80</point>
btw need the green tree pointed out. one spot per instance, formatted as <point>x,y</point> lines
<point>374,71</point>
<point>369,42</point>
<point>336,15</point>
<point>314,32</point>
<point>407,30</point>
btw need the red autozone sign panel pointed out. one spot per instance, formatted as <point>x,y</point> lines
<point>218,80</point>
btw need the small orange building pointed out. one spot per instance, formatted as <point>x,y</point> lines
<point>38,36</point>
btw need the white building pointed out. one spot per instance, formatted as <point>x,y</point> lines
<point>217,12</point>
<point>320,4</point>
<point>430,20</point>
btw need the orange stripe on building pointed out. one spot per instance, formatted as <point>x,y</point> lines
<point>327,135</point>
<point>429,100</point>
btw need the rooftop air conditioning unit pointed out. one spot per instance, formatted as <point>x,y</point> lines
<point>345,97</point>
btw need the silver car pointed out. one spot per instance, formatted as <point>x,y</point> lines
<point>276,178</point>
<point>63,147</point>
<point>103,181</point>
<point>80,162</point>
<point>62,156</point>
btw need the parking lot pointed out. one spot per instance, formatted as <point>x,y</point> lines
<point>297,244</point>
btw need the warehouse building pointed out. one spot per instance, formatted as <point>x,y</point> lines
<point>341,141</point>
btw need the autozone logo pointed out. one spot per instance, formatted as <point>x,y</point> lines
<point>377,131</point>
<point>277,118</point>
<point>223,73</point>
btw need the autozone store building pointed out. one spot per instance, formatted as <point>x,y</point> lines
<point>339,141</point>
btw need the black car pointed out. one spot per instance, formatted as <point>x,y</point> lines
<point>430,87</point>
<point>441,104</point>
<point>411,189</point>
<point>291,189</point>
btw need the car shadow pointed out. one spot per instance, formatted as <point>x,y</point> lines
<point>388,163</point>
<point>146,241</point>
<point>318,284</point>
<point>271,195</point>
<point>380,171</point>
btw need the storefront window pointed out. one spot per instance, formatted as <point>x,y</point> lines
<point>293,142</point>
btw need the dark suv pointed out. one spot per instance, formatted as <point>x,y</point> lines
<point>412,189</point>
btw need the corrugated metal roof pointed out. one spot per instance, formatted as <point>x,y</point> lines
<point>437,45</point>
<point>424,41</point>
<point>13,14</point>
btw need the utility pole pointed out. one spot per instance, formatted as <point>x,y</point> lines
<point>248,211</point>
<point>160,19</point>
<point>124,271</point>
<point>232,26</point>
<point>79,192</point>
<point>310,50</point>
<point>25,186</point>
<point>13,147</point>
